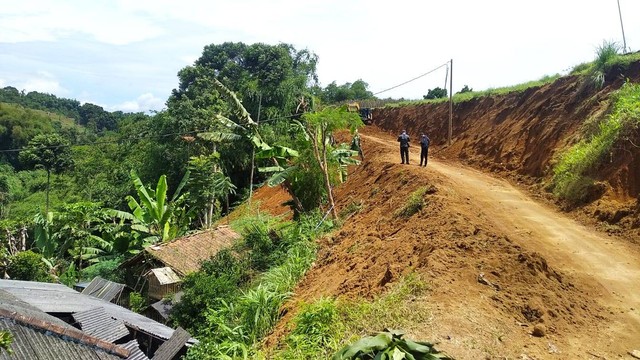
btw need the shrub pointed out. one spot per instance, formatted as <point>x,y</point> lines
<point>220,281</point>
<point>137,304</point>
<point>5,341</point>
<point>27,265</point>
<point>106,269</point>
<point>389,344</point>
<point>414,204</point>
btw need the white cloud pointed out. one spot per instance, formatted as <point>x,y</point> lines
<point>51,21</point>
<point>2,82</point>
<point>43,82</point>
<point>144,103</point>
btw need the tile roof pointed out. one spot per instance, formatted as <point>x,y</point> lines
<point>104,289</point>
<point>185,254</point>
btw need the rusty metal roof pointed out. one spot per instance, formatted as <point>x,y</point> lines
<point>57,298</point>
<point>104,289</point>
<point>185,254</point>
<point>96,322</point>
<point>165,275</point>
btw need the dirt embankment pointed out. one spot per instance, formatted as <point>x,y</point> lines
<point>519,135</point>
<point>490,281</point>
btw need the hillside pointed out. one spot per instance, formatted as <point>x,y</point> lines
<point>499,258</point>
<point>521,134</point>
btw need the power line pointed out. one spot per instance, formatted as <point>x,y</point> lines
<point>415,78</point>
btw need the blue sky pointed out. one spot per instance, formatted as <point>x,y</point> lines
<point>125,55</point>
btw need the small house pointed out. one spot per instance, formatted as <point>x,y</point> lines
<point>163,282</point>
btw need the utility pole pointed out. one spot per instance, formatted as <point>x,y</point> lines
<point>450,103</point>
<point>624,41</point>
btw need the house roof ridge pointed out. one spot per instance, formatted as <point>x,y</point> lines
<point>68,332</point>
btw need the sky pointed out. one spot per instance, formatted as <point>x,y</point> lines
<point>125,55</point>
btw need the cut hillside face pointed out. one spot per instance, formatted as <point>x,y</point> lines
<point>521,134</point>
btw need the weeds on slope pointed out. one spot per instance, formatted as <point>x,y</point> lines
<point>323,327</point>
<point>233,304</point>
<point>573,174</point>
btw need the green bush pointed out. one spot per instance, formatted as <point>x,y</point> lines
<point>106,269</point>
<point>27,265</point>
<point>389,345</point>
<point>414,204</point>
<point>5,341</point>
<point>137,303</point>
<point>220,281</point>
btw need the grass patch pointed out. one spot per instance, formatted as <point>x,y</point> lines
<point>321,328</point>
<point>466,96</point>
<point>414,204</point>
<point>353,208</point>
<point>572,175</point>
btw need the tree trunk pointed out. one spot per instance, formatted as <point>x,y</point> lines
<point>296,202</point>
<point>228,212</point>
<point>46,209</point>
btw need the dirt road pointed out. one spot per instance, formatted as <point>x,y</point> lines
<point>605,262</point>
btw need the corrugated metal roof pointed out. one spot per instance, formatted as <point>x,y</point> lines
<point>172,347</point>
<point>104,289</point>
<point>136,353</point>
<point>165,275</point>
<point>29,343</point>
<point>57,298</point>
<point>96,322</point>
<point>185,254</point>
<point>11,303</point>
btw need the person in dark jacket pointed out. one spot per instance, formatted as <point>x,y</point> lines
<point>403,139</point>
<point>424,145</point>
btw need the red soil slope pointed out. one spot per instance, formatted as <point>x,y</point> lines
<point>581,292</point>
<point>517,135</point>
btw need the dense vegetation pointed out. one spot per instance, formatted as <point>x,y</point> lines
<point>83,189</point>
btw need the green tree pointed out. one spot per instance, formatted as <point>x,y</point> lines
<point>27,265</point>
<point>224,187</point>
<point>319,127</point>
<point>436,93</point>
<point>465,89</point>
<point>50,152</point>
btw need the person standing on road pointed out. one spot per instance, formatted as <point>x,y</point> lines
<point>424,145</point>
<point>403,139</point>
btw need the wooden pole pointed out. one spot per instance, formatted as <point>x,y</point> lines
<point>450,103</point>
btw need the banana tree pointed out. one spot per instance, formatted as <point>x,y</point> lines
<point>319,127</point>
<point>223,186</point>
<point>154,214</point>
<point>281,169</point>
